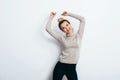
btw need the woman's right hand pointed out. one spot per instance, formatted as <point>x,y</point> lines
<point>52,14</point>
<point>65,13</point>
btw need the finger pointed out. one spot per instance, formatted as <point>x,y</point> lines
<point>53,13</point>
<point>63,13</point>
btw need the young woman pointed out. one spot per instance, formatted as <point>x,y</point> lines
<point>71,43</point>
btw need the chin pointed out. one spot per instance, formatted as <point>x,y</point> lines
<point>69,32</point>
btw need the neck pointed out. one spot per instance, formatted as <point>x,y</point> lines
<point>69,34</point>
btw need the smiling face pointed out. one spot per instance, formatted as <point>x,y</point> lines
<point>66,27</point>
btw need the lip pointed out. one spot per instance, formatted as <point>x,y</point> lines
<point>68,30</point>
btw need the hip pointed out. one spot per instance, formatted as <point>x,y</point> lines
<point>65,66</point>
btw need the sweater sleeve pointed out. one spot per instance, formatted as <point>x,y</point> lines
<point>81,25</point>
<point>53,33</point>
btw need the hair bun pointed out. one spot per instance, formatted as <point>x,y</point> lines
<point>60,19</point>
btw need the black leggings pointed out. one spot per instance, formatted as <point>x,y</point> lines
<point>63,68</point>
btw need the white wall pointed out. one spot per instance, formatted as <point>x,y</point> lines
<point>28,52</point>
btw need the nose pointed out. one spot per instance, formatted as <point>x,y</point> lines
<point>67,28</point>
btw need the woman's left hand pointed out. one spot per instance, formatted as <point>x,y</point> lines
<point>52,14</point>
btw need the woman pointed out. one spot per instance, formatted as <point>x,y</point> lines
<point>71,43</point>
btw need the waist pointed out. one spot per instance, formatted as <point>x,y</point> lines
<point>66,64</point>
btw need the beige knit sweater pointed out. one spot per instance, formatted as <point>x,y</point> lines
<point>71,42</point>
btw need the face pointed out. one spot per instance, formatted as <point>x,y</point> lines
<point>66,27</point>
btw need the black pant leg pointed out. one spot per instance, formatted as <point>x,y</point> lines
<point>58,72</point>
<point>70,72</point>
<point>71,75</point>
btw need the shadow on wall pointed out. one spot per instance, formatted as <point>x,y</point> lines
<point>50,76</point>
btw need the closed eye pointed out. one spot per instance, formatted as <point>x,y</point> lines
<point>63,27</point>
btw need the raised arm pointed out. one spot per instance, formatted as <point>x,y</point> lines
<point>53,33</point>
<point>81,25</point>
<point>82,22</point>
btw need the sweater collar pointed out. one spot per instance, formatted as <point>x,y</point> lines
<point>68,35</point>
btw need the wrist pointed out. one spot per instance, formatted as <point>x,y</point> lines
<point>69,14</point>
<point>51,17</point>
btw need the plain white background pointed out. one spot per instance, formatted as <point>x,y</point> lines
<point>28,52</point>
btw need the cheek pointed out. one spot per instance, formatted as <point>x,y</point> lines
<point>69,26</point>
<point>64,30</point>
